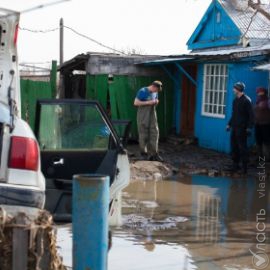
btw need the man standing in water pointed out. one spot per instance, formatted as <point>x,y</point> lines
<point>240,125</point>
<point>146,100</point>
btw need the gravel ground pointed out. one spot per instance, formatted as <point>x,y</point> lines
<point>188,159</point>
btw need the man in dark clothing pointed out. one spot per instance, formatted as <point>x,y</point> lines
<point>262,123</point>
<point>240,124</point>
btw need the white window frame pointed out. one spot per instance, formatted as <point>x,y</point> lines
<point>221,88</point>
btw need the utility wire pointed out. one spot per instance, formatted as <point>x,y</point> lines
<point>35,63</point>
<point>93,40</point>
<point>33,66</point>
<point>250,23</point>
<point>75,32</point>
<point>11,12</point>
<point>39,31</point>
<point>43,6</point>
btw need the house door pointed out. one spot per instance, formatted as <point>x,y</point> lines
<point>188,101</point>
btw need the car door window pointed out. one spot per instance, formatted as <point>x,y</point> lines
<point>72,126</point>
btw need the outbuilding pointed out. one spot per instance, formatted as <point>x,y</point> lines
<point>114,80</point>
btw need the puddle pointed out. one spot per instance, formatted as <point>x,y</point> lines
<point>195,223</point>
<point>142,254</point>
<point>64,243</point>
<point>141,223</point>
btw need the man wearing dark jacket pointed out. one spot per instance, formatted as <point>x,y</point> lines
<point>240,124</point>
<point>262,123</point>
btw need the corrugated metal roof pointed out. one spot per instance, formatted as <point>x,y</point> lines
<point>251,24</point>
<point>255,50</point>
<point>167,60</point>
<point>214,54</point>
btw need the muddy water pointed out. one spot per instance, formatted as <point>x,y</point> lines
<point>195,223</point>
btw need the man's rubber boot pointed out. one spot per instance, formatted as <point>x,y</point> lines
<point>144,156</point>
<point>156,157</point>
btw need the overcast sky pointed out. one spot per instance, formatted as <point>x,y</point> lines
<point>148,26</point>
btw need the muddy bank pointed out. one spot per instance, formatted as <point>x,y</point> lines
<point>188,159</point>
<point>149,170</point>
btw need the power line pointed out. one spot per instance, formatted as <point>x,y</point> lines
<point>39,31</point>
<point>36,63</point>
<point>34,67</point>
<point>41,6</point>
<point>93,40</point>
<point>250,23</point>
<point>75,32</point>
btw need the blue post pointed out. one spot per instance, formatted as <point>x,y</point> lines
<point>186,73</point>
<point>90,209</point>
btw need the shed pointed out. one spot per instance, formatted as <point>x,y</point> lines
<point>113,80</point>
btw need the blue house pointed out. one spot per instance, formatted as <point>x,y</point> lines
<point>231,39</point>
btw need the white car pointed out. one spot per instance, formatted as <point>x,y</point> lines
<point>22,184</point>
<point>73,137</point>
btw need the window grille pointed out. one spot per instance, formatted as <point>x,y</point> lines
<point>215,90</point>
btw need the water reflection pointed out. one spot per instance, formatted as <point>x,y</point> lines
<point>195,223</point>
<point>215,218</point>
<point>64,243</point>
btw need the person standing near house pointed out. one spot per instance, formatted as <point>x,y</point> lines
<point>240,124</point>
<point>262,122</point>
<point>146,101</point>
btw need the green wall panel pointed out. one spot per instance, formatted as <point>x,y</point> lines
<point>122,92</point>
<point>97,88</point>
<point>31,91</point>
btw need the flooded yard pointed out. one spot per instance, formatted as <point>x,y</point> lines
<point>193,223</point>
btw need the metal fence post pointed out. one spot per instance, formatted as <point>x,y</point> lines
<point>20,243</point>
<point>90,209</point>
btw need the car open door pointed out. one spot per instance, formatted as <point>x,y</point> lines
<point>76,137</point>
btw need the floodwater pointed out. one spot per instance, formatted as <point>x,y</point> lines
<point>195,223</point>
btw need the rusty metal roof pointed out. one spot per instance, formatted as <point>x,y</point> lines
<point>252,24</point>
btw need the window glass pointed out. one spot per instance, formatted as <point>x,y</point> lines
<point>72,127</point>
